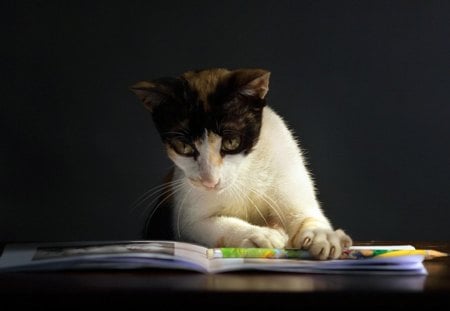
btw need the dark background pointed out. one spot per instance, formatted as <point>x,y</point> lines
<point>364,84</point>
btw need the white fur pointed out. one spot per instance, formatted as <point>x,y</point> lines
<point>263,199</point>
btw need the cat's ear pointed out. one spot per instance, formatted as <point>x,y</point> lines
<point>253,82</point>
<point>151,93</point>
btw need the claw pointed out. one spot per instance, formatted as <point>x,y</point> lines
<point>332,251</point>
<point>307,242</point>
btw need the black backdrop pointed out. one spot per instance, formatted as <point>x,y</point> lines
<point>364,84</point>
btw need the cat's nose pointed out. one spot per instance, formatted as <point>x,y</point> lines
<point>210,184</point>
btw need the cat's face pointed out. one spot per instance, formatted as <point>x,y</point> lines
<point>209,120</point>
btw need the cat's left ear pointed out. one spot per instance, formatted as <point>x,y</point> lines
<point>151,93</point>
<point>253,82</point>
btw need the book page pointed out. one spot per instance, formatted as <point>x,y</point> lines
<point>104,254</point>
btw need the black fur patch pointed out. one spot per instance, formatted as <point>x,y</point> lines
<point>183,114</point>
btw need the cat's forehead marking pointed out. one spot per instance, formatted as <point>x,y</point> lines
<point>209,147</point>
<point>214,143</point>
<point>205,83</point>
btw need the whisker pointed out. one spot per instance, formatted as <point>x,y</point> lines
<point>229,131</point>
<point>156,188</point>
<point>276,210</point>
<point>239,196</point>
<point>274,206</point>
<point>151,192</point>
<point>253,203</point>
<point>169,193</point>
<point>181,132</point>
<point>160,194</point>
<point>180,208</point>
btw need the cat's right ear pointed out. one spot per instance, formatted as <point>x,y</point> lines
<point>150,93</point>
<point>253,82</point>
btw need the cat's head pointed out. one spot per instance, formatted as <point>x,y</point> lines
<point>209,120</point>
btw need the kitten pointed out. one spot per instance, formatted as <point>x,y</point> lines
<point>240,179</point>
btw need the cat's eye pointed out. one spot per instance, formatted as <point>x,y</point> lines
<point>182,148</point>
<point>231,143</point>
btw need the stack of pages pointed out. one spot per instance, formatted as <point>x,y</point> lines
<point>393,259</point>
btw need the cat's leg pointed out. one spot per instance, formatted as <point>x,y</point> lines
<point>307,225</point>
<point>223,231</point>
<point>317,236</point>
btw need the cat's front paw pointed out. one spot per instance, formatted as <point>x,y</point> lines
<point>265,237</point>
<point>322,243</point>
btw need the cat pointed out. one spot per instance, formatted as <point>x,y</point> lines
<point>239,179</point>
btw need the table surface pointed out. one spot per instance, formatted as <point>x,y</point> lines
<point>263,289</point>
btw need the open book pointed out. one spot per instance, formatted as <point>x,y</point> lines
<point>186,256</point>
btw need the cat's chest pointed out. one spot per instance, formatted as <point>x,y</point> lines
<point>250,206</point>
